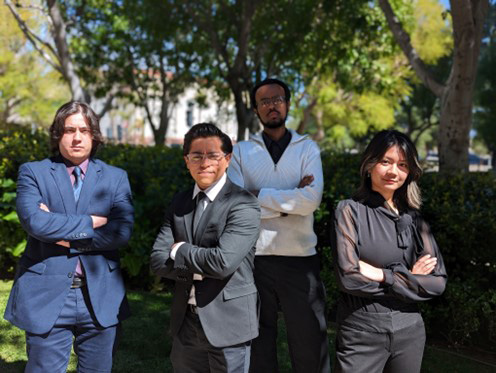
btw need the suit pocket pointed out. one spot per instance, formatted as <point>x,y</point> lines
<point>28,266</point>
<point>113,264</point>
<point>239,291</point>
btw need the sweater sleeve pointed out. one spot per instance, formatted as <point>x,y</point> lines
<point>298,201</point>
<point>235,174</point>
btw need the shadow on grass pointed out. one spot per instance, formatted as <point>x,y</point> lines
<point>145,342</point>
<point>12,354</point>
<point>12,367</point>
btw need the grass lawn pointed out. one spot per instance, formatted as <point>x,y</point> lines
<point>145,344</point>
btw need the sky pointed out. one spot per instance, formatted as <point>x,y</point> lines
<point>445,3</point>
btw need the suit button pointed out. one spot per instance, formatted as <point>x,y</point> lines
<point>69,274</point>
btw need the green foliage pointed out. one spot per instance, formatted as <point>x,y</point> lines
<point>485,114</point>
<point>12,238</point>
<point>460,211</point>
<point>29,90</point>
<point>155,175</point>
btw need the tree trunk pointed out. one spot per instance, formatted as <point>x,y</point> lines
<point>60,37</point>
<point>244,114</point>
<point>457,98</point>
<point>457,94</point>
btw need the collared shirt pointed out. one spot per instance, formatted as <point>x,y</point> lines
<point>277,148</point>
<point>70,169</point>
<point>211,192</point>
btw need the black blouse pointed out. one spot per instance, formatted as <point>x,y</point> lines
<point>373,233</point>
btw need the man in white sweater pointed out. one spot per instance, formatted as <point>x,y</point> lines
<point>284,170</point>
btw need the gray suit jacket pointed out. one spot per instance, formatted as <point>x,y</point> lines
<point>223,251</point>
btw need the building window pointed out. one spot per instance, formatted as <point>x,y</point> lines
<point>189,114</point>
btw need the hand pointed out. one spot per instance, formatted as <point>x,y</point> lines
<point>63,243</point>
<point>424,266</point>
<point>98,221</point>
<point>371,272</point>
<point>44,207</point>
<point>307,180</point>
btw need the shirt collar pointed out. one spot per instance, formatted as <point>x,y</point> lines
<point>213,190</point>
<point>83,166</point>
<point>282,142</point>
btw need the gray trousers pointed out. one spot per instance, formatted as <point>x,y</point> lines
<point>192,353</point>
<point>385,347</point>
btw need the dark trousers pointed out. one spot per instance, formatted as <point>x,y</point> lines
<point>367,351</point>
<point>93,344</point>
<point>192,353</point>
<point>293,285</point>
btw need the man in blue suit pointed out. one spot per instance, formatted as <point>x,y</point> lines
<point>77,212</point>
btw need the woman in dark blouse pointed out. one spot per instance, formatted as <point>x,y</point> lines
<point>386,261</point>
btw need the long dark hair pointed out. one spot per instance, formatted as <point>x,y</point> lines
<point>64,112</point>
<point>408,196</point>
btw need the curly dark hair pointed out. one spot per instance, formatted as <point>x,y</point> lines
<point>64,112</point>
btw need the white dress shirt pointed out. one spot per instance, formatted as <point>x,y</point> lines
<point>211,193</point>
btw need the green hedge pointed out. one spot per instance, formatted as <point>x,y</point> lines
<point>460,210</point>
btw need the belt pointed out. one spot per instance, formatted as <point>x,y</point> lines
<point>78,282</point>
<point>193,309</point>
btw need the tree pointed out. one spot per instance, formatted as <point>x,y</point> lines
<point>148,59</point>
<point>242,42</point>
<point>432,39</point>
<point>456,93</point>
<point>56,51</point>
<point>352,84</point>
<point>29,92</point>
<point>485,113</point>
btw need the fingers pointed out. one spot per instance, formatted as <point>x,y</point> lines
<point>425,265</point>
<point>44,207</point>
<point>306,180</point>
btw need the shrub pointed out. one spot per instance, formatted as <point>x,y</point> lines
<point>459,209</point>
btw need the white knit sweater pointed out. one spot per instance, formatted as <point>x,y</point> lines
<point>252,168</point>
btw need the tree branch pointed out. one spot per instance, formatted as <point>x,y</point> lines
<point>403,39</point>
<point>60,38</point>
<point>33,38</point>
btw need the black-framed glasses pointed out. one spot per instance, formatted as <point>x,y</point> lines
<point>199,157</point>
<point>276,101</point>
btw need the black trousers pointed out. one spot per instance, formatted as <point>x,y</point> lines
<point>192,353</point>
<point>380,345</point>
<point>293,285</point>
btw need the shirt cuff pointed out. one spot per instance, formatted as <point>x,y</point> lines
<point>175,247</point>
<point>388,277</point>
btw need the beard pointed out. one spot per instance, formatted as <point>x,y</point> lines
<point>276,123</point>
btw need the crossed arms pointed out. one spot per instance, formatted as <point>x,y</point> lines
<point>82,231</point>
<point>219,261</point>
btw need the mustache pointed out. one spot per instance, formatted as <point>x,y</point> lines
<point>274,110</point>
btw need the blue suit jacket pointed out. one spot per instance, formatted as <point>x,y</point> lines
<point>45,271</point>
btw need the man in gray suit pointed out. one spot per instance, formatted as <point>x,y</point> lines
<point>206,245</point>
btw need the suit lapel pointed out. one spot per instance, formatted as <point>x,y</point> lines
<point>93,174</point>
<point>214,206</point>
<point>63,184</point>
<point>189,211</point>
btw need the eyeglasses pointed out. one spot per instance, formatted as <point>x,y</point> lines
<point>276,101</point>
<point>198,158</point>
